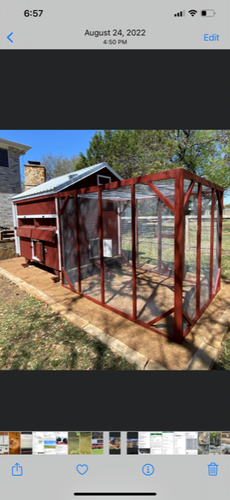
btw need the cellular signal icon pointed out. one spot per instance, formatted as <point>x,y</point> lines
<point>192,12</point>
<point>180,14</point>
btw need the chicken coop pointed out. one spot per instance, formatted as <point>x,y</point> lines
<point>148,248</point>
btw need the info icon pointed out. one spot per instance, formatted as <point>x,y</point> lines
<point>148,469</point>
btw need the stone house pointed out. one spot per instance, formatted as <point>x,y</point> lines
<point>10,180</point>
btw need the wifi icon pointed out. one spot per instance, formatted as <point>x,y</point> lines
<point>192,12</point>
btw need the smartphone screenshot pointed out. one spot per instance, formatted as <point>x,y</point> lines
<point>114,250</point>
<point>132,443</point>
<point>114,443</point>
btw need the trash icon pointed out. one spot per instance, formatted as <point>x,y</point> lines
<point>212,469</point>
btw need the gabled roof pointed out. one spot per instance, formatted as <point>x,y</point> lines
<point>62,182</point>
<point>22,148</point>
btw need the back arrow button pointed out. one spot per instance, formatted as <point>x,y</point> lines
<point>10,38</point>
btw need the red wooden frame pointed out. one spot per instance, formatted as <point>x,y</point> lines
<point>78,245</point>
<point>134,251</point>
<point>178,256</point>
<point>178,209</point>
<point>101,247</point>
<point>211,243</point>
<point>198,243</point>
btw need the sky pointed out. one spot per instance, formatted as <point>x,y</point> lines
<point>56,142</point>
<point>43,142</point>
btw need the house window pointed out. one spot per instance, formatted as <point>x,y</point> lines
<point>4,158</point>
<point>103,179</point>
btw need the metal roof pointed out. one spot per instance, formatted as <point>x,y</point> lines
<point>62,182</point>
<point>22,148</point>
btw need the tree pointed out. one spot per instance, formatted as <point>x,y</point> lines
<point>206,153</point>
<point>136,152</point>
<point>130,152</point>
<point>117,148</point>
<point>58,165</point>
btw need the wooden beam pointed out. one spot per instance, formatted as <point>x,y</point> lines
<point>67,279</point>
<point>162,316</point>
<point>63,206</point>
<point>186,197</point>
<point>161,196</point>
<point>187,317</point>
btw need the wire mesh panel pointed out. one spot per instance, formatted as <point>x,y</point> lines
<point>143,217</point>
<point>190,254</point>
<point>167,188</point>
<point>167,241</point>
<point>154,259</point>
<point>69,242</point>
<point>215,242</point>
<point>89,244</point>
<point>117,249</point>
<point>146,228</point>
<point>205,245</point>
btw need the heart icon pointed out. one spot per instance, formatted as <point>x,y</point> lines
<point>82,469</point>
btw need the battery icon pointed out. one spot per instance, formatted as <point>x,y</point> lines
<point>208,13</point>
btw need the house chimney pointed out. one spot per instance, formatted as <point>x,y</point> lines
<point>35,174</point>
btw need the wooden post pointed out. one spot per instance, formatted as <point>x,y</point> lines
<point>101,247</point>
<point>60,238</point>
<point>134,251</point>
<point>178,256</point>
<point>221,198</point>
<point>78,244</point>
<point>211,243</point>
<point>198,250</point>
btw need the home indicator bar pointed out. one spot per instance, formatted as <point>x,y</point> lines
<point>116,494</point>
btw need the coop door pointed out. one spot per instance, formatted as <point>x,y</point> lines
<point>107,247</point>
<point>94,248</point>
<point>38,251</point>
<point>69,242</point>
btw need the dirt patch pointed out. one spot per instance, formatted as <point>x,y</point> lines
<point>7,250</point>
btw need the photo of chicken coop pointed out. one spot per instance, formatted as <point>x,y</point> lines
<point>147,248</point>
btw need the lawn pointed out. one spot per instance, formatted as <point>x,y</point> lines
<point>97,452</point>
<point>223,360</point>
<point>33,337</point>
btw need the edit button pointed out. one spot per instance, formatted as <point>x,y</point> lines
<point>211,38</point>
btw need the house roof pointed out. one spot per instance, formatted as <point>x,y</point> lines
<point>62,182</point>
<point>22,148</point>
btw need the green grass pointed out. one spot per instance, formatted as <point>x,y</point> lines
<point>223,360</point>
<point>97,452</point>
<point>33,337</point>
<point>225,257</point>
